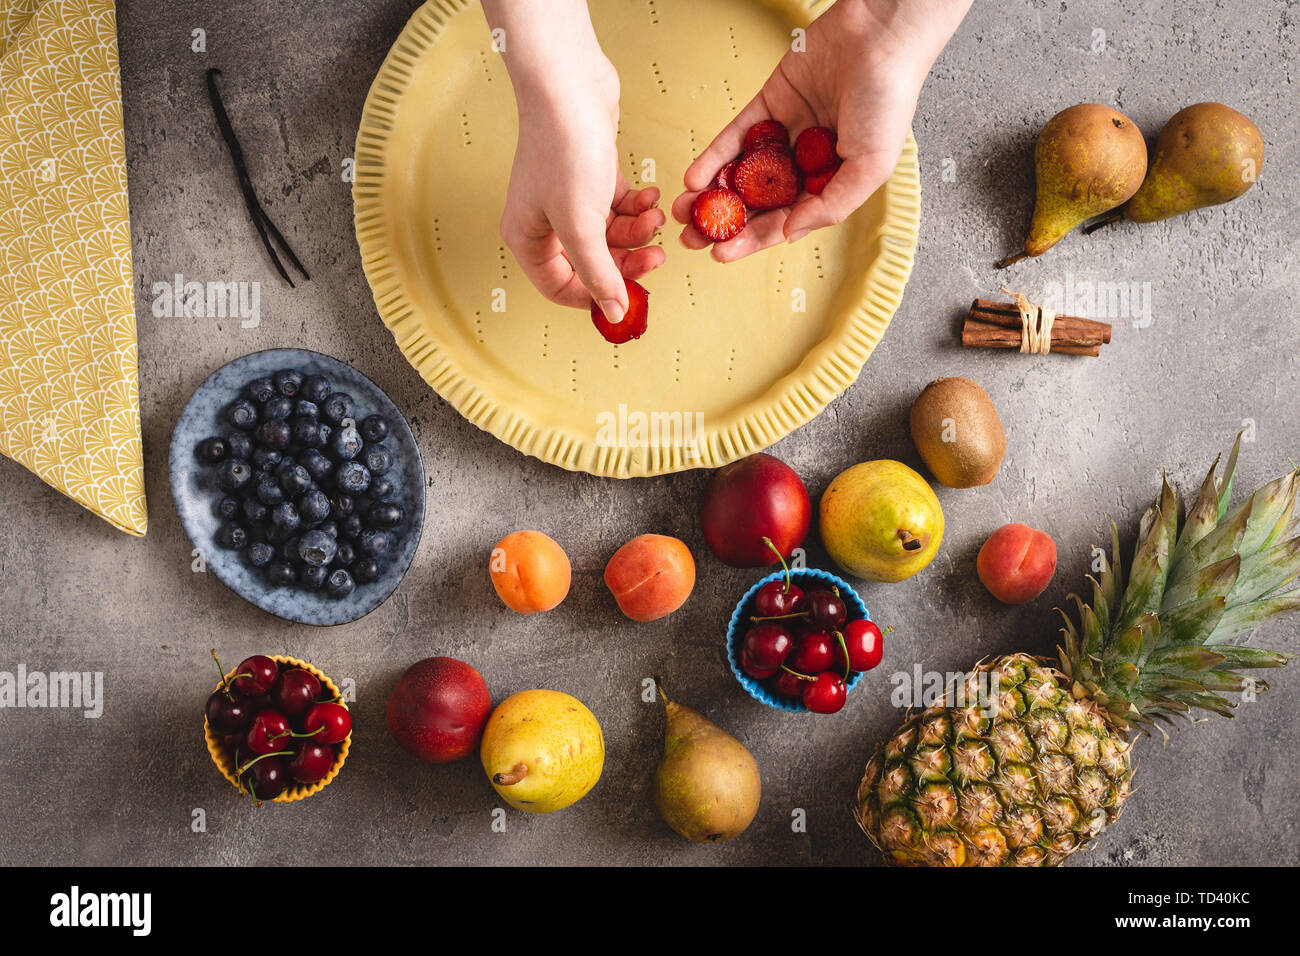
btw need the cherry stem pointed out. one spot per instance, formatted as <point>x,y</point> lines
<point>240,771</point>
<point>513,776</point>
<point>797,674</point>
<point>290,733</point>
<point>845,648</point>
<point>225,684</point>
<point>781,617</point>
<point>780,557</point>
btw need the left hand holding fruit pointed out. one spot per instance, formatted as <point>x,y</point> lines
<point>859,72</point>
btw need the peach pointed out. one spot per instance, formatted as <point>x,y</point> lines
<point>530,572</point>
<point>651,576</point>
<point>1016,563</point>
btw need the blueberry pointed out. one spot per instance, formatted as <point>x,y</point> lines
<point>352,477</point>
<point>233,474</point>
<point>269,491</point>
<point>317,548</point>
<point>314,507</point>
<point>211,450</point>
<point>365,570</point>
<point>377,458</point>
<point>341,505</point>
<point>242,413</point>
<point>340,584</point>
<point>227,507</point>
<point>239,445</point>
<point>280,574</point>
<point>309,433</point>
<point>288,550</point>
<point>345,555</point>
<point>266,459</point>
<point>315,388</point>
<point>311,577</point>
<point>345,443</point>
<point>255,510</point>
<point>287,382</point>
<point>260,554</point>
<point>278,535</point>
<point>351,526</point>
<point>231,535</point>
<point>338,407</point>
<point>384,515</point>
<point>374,428</point>
<point>260,389</point>
<point>330,528</point>
<point>372,542</point>
<point>274,434</point>
<point>277,408</point>
<point>381,487</point>
<point>285,516</point>
<point>317,465</point>
<point>305,409</point>
<point>294,478</point>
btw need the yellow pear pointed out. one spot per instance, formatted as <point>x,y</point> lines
<point>542,750</point>
<point>881,521</point>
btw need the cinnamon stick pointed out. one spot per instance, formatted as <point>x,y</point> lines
<point>997,325</point>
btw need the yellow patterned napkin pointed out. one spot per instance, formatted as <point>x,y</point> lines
<point>69,404</point>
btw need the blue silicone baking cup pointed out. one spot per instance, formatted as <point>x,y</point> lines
<point>808,579</point>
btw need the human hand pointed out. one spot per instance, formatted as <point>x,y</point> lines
<point>572,222</point>
<point>860,72</point>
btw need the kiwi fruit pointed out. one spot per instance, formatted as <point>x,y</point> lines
<point>958,433</point>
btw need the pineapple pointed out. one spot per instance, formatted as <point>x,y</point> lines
<point>1042,765</point>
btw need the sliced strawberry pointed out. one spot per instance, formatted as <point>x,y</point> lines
<point>816,182</point>
<point>634,321</point>
<point>718,214</point>
<point>767,133</point>
<point>814,150</point>
<point>726,176</point>
<point>767,178</point>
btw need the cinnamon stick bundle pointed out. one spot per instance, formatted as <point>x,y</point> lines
<point>997,325</point>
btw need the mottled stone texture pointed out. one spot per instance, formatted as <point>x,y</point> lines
<point>1086,437</point>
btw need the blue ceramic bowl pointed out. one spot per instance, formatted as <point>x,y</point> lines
<point>194,487</point>
<point>808,579</point>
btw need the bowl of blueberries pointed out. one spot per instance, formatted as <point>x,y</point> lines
<point>299,484</point>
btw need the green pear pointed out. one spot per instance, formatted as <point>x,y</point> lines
<point>707,786</point>
<point>542,750</point>
<point>1088,160</point>
<point>1207,154</point>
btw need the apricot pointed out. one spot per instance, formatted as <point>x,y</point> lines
<point>1016,563</point>
<point>530,572</point>
<point>651,576</point>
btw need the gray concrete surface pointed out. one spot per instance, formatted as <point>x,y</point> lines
<point>1086,438</point>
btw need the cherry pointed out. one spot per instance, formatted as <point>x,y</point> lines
<point>228,715</point>
<point>312,762</point>
<point>777,599</point>
<point>267,778</point>
<point>295,691</point>
<point>768,645</point>
<point>256,675</point>
<point>269,732</point>
<point>334,718</point>
<point>826,694</point>
<point>814,653</point>
<point>786,684</point>
<point>827,610</point>
<point>753,670</point>
<point>865,643</point>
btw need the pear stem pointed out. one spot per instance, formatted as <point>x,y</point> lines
<point>1009,260</point>
<point>911,542</point>
<point>512,776</point>
<point>1113,216</point>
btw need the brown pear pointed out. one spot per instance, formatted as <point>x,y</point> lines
<point>707,786</point>
<point>1207,154</point>
<point>1088,160</point>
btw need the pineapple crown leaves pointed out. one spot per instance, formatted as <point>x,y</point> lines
<point>1198,579</point>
